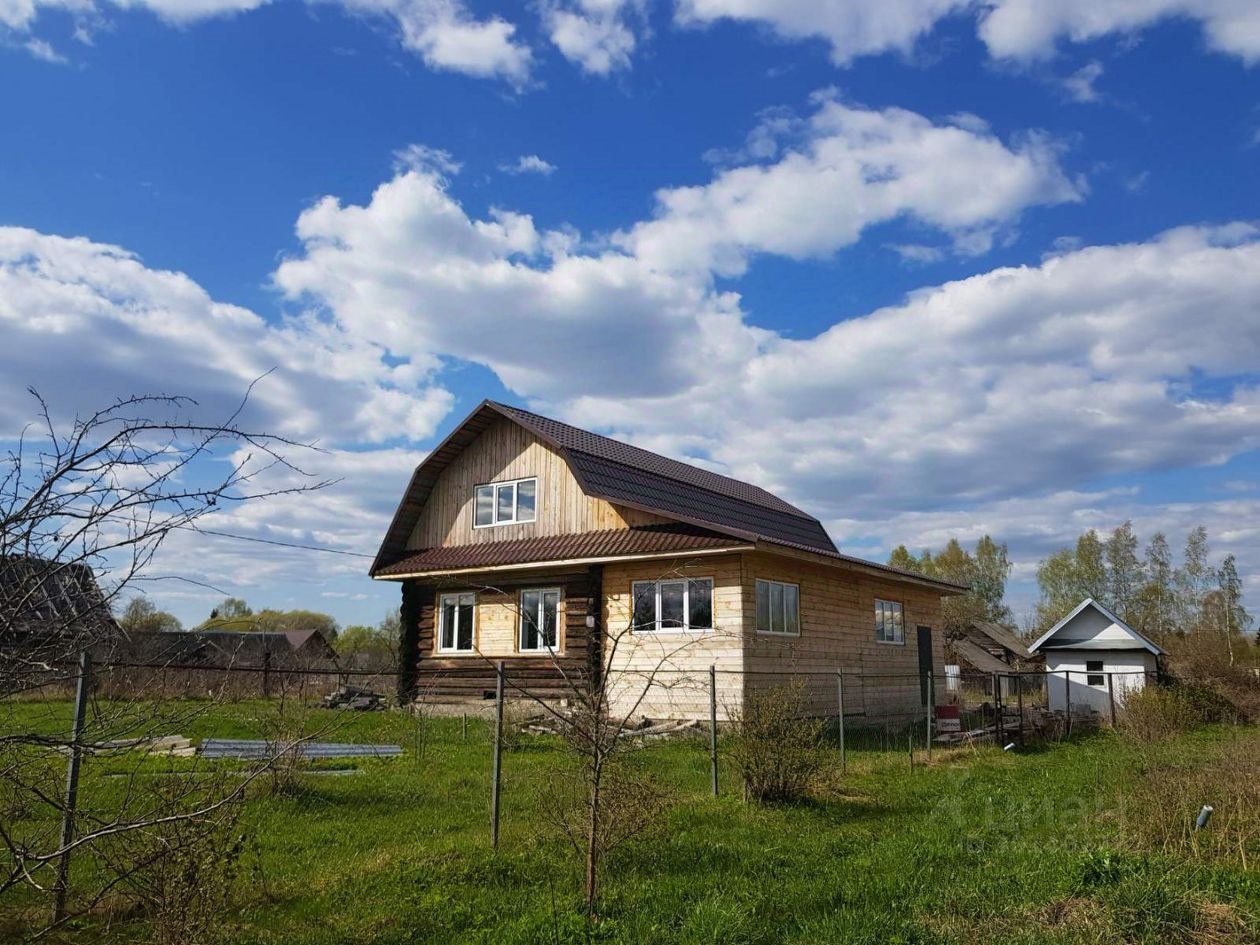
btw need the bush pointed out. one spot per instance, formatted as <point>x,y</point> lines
<point>778,751</point>
<point>181,872</point>
<point>1157,712</point>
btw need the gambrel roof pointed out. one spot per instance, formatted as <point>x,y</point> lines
<point>623,475</point>
<point>710,510</point>
<point>1109,633</point>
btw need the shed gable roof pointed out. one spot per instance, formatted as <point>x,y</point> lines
<point>1060,636</point>
<point>625,475</point>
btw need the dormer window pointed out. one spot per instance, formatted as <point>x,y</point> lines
<point>505,503</point>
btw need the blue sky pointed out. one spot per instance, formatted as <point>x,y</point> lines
<point>926,267</point>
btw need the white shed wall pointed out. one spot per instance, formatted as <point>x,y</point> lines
<point>1130,671</point>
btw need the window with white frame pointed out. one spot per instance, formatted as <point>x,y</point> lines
<point>1096,676</point>
<point>505,503</point>
<point>889,622</point>
<point>683,604</point>
<point>778,607</point>
<point>455,622</point>
<point>540,619</point>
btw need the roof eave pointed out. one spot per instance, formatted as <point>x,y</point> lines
<point>565,562</point>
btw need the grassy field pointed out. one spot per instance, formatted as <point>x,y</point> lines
<point>978,847</point>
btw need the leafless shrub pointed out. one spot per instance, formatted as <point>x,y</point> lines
<point>1156,713</point>
<point>776,747</point>
<point>84,507</point>
<point>179,874</point>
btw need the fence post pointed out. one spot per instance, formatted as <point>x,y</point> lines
<point>266,674</point>
<point>1111,697</point>
<point>1019,702</point>
<point>840,715</point>
<point>1067,700</point>
<point>713,758</point>
<point>498,755</point>
<point>999,723</point>
<point>931,712</point>
<point>62,883</point>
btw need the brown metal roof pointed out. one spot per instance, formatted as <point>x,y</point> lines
<point>613,543</point>
<point>624,475</point>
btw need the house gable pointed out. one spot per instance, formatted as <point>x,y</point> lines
<point>587,483</point>
<point>1091,626</point>
<point>506,451</point>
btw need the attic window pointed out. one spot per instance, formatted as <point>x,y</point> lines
<point>505,503</point>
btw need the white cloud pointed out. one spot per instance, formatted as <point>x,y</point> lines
<point>529,164</point>
<point>848,169</point>
<point>442,32</point>
<point>1027,29</point>
<point>852,27</point>
<point>1011,29</point>
<point>154,331</point>
<point>594,34</point>
<point>1080,84</point>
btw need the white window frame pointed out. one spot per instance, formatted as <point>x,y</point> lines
<point>494,488</point>
<point>879,619</point>
<point>441,617</point>
<point>1100,673</point>
<point>686,583</point>
<point>767,582</point>
<point>542,593</point>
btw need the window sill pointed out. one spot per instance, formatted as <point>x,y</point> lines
<point>780,633</point>
<point>673,631</point>
<point>891,642</point>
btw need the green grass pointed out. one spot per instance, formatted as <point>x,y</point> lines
<point>982,846</point>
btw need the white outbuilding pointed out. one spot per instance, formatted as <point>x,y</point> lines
<point>1091,655</point>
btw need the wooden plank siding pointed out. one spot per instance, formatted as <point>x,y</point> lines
<point>682,657</point>
<point>496,635</point>
<point>507,451</point>
<point>837,607</point>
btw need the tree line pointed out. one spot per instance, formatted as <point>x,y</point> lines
<point>1146,587</point>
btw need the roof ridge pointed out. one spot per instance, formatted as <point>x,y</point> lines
<point>760,496</point>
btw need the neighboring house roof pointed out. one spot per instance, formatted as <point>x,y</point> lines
<point>1056,639</point>
<point>221,647</point>
<point>622,474</point>
<point>979,657</point>
<point>1003,638</point>
<point>581,547</point>
<point>42,599</point>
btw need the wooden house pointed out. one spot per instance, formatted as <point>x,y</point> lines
<point>568,555</point>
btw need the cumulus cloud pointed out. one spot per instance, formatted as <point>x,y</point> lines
<point>152,331</point>
<point>852,27</point>
<point>1026,29</point>
<point>597,35</point>
<point>1011,29</point>
<point>841,170</point>
<point>1103,360</point>
<point>442,32</point>
<point>529,164</point>
<point>1080,84</point>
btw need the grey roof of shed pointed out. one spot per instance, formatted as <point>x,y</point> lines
<point>624,475</point>
<point>1047,640</point>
